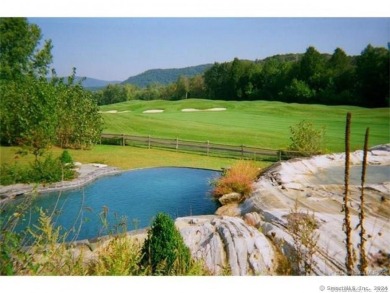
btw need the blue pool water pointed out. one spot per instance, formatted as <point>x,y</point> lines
<point>136,196</point>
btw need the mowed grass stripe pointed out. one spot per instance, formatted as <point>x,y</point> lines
<point>258,123</point>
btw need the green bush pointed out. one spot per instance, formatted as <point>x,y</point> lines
<point>47,170</point>
<point>306,139</point>
<point>164,251</point>
<point>66,158</point>
<point>12,174</point>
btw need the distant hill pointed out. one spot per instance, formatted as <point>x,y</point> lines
<point>165,76</point>
<point>92,84</point>
<point>95,83</point>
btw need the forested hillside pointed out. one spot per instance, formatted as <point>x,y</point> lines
<point>165,76</point>
<point>312,77</point>
<point>309,78</point>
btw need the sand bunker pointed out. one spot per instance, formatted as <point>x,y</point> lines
<point>113,112</point>
<point>199,110</point>
<point>109,112</point>
<point>153,111</point>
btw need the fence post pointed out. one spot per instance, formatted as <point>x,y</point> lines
<point>242,151</point>
<point>280,155</point>
<point>123,139</point>
<point>208,147</point>
<point>149,141</point>
<point>177,143</point>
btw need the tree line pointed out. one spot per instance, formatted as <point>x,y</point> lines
<point>37,112</point>
<point>312,77</point>
<point>185,87</point>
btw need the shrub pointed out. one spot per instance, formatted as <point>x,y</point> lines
<point>239,178</point>
<point>306,139</point>
<point>164,251</point>
<point>45,170</point>
<point>12,174</point>
<point>66,158</point>
<point>49,170</point>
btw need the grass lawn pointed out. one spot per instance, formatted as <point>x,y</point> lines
<point>258,123</point>
<point>130,157</point>
<point>255,123</point>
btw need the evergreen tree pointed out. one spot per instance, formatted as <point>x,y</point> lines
<point>164,251</point>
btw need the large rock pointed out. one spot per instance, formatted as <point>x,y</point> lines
<point>277,190</point>
<point>253,219</point>
<point>228,245</point>
<point>231,210</point>
<point>228,198</point>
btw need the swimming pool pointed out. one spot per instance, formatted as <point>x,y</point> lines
<point>130,199</point>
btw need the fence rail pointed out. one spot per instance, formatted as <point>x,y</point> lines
<point>206,147</point>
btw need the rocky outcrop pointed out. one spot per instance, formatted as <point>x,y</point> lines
<point>232,242</point>
<point>228,245</point>
<point>228,198</point>
<point>277,190</point>
<point>231,210</point>
<point>253,219</point>
<point>230,203</point>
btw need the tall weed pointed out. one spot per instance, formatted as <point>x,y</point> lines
<point>119,258</point>
<point>302,227</point>
<point>42,250</point>
<point>239,178</point>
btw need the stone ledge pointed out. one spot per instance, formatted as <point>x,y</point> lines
<point>87,174</point>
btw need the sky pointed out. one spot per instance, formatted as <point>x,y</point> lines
<point>117,48</point>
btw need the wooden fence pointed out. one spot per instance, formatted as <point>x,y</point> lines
<point>205,147</point>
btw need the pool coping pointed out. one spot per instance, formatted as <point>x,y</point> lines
<point>93,172</point>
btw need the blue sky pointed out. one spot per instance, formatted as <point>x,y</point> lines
<point>116,48</point>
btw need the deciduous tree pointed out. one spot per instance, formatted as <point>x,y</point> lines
<point>21,52</point>
<point>373,76</point>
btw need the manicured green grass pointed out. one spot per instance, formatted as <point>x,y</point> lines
<point>257,123</point>
<point>130,158</point>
